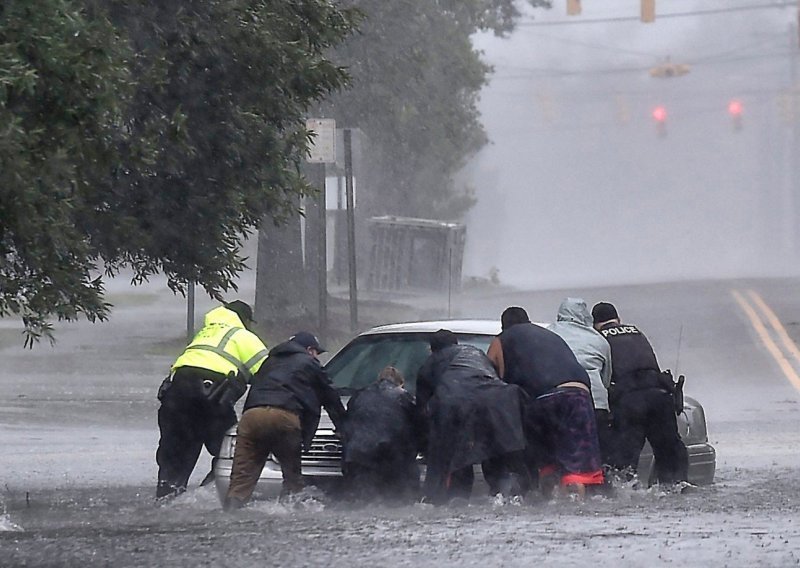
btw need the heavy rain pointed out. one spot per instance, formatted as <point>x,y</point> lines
<point>602,179</point>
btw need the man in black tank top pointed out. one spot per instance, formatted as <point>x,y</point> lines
<point>640,400</point>
<point>560,425</point>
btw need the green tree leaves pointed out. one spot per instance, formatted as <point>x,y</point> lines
<point>150,136</point>
<point>63,86</point>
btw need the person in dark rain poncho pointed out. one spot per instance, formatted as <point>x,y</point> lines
<point>381,441</point>
<point>473,417</point>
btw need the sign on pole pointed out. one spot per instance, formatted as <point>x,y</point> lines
<point>323,145</point>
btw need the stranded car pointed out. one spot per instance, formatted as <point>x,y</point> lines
<point>405,346</point>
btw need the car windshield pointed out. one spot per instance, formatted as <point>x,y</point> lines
<point>358,364</point>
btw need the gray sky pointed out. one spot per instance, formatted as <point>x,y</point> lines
<point>578,188</point>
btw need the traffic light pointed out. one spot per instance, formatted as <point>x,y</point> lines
<point>573,7</point>
<point>735,109</point>
<point>660,116</point>
<point>648,11</point>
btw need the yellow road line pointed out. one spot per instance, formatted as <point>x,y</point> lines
<point>790,345</point>
<point>771,346</point>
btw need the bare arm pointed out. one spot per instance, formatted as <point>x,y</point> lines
<point>495,355</point>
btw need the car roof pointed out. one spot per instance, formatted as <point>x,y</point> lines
<point>464,326</point>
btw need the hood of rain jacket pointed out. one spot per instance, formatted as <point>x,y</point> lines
<point>592,351</point>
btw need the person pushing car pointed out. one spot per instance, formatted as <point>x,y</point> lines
<point>281,415</point>
<point>642,401</point>
<point>382,436</point>
<point>198,396</point>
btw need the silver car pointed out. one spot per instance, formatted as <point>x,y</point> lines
<point>405,346</point>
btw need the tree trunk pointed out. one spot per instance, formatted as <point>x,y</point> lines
<point>280,278</point>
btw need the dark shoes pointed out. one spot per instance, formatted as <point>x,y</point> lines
<point>232,504</point>
<point>166,491</point>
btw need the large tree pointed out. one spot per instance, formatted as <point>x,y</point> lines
<point>64,83</point>
<point>416,79</point>
<point>156,143</point>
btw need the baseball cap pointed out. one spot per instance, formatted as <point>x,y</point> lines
<point>307,340</point>
<point>603,311</point>
<point>241,309</point>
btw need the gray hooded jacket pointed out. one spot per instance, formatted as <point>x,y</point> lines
<point>592,351</point>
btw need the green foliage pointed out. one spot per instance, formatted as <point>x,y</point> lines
<point>63,85</point>
<point>155,143</point>
<point>415,84</point>
<point>223,92</point>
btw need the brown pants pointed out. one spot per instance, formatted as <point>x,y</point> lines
<point>264,430</point>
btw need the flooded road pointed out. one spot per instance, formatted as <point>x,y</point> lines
<point>745,518</point>
<point>78,435</point>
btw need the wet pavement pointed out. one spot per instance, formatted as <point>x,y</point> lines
<point>746,517</point>
<point>78,438</point>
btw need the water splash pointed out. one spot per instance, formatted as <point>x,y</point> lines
<point>7,525</point>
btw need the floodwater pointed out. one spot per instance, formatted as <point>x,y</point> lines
<point>78,434</point>
<point>745,518</point>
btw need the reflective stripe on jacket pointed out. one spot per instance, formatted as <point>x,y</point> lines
<point>224,345</point>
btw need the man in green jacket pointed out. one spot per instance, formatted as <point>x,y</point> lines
<point>194,411</point>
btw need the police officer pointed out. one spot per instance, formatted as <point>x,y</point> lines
<point>194,409</point>
<point>641,400</point>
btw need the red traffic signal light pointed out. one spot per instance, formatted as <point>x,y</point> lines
<point>735,109</point>
<point>660,116</point>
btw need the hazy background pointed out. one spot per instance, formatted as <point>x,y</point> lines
<point>577,187</point>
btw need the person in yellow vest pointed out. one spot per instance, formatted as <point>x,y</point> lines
<point>198,396</point>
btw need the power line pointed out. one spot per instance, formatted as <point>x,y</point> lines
<point>710,12</point>
<point>596,46</point>
<point>720,59</point>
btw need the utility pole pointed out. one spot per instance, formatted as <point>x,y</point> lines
<point>351,227</point>
<point>190,311</point>
<point>794,141</point>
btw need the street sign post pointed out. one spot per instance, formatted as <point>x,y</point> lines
<point>323,145</point>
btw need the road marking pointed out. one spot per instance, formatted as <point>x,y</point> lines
<point>790,345</point>
<point>766,338</point>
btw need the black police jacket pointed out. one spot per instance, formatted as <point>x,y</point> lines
<point>292,379</point>
<point>633,360</point>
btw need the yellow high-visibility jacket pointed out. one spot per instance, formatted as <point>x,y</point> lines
<point>224,345</point>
